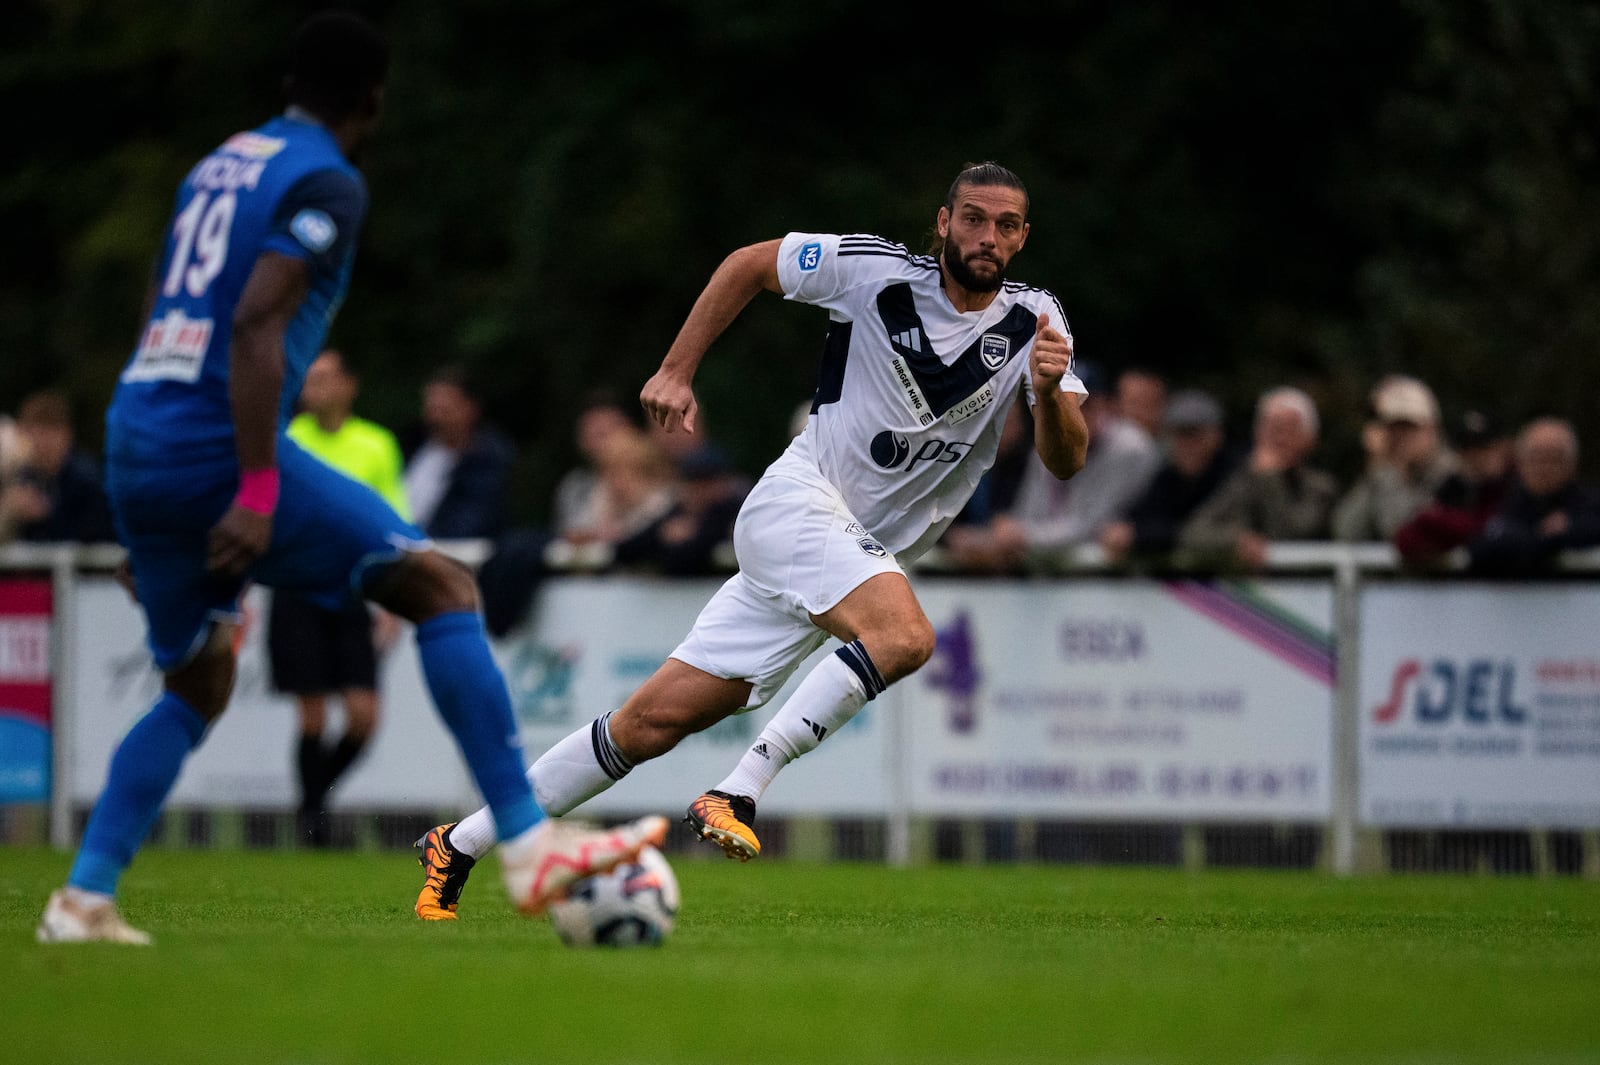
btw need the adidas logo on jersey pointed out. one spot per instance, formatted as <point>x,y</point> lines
<point>911,339</point>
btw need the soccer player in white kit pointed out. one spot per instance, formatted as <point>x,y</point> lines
<point>924,357</point>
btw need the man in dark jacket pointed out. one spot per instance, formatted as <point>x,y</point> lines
<point>56,494</point>
<point>1467,499</point>
<point>458,479</point>
<point>1547,510</point>
<point>1195,466</point>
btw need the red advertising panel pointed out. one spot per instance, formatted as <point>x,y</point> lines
<point>25,605</point>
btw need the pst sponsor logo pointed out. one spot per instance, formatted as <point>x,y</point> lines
<point>1476,691</point>
<point>890,450</point>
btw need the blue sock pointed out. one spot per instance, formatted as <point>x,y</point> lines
<point>472,698</point>
<point>143,769</point>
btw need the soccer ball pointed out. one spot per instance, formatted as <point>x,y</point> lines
<point>631,906</point>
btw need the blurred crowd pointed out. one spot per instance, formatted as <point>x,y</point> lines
<point>1167,488</point>
<point>1171,484</point>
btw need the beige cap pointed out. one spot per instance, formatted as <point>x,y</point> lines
<point>1405,399</point>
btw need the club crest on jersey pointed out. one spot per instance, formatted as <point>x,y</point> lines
<point>314,229</point>
<point>810,256</point>
<point>872,547</point>
<point>994,349</point>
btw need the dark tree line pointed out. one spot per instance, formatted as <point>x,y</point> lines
<point>1237,194</point>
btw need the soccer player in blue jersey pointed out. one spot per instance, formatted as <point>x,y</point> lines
<point>209,493</point>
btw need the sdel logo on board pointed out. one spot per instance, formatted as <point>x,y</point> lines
<point>1475,691</point>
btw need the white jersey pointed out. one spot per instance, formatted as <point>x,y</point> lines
<point>912,394</point>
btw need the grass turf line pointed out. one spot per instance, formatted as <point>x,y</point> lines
<point>297,957</point>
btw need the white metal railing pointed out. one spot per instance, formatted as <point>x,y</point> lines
<point>1348,566</point>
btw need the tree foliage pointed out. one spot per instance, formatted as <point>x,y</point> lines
<point>1237,195</point>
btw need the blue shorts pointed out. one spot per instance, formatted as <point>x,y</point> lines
<point>328,535</point>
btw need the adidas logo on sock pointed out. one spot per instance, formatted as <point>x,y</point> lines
<point>761,749</point>
<point>817,730</point>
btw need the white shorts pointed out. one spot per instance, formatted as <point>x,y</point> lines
<point>800,552</point>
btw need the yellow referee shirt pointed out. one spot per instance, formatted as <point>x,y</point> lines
<point>359,449</point>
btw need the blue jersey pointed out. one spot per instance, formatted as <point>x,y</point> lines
<point>284,187</point>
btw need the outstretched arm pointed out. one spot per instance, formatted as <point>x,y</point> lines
<point>271,296</point>
<point>1062,436</point>
<point>668,397</point>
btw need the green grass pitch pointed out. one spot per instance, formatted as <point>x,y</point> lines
<point>316,958</point>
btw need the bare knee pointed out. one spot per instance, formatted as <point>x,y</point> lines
<point>643,732</point>
<point>360,713</point>
<point>902,650</point>
<point>313,714</point>
<point>423,585</point>
<point>206,681</point>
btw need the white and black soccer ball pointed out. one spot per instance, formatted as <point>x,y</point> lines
<point>632,906</point>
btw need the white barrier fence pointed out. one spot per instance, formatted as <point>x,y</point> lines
<point>1329,692</point>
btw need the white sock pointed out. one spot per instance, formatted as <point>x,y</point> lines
<point>578,768</point>
<point>565,777</point>
<point>830,695</point>
<point>474,834</point>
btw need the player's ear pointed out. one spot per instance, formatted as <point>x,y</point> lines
<point>941,223</point>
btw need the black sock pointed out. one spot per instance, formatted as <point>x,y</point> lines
<point>309,760</point>
<point>340,758</point>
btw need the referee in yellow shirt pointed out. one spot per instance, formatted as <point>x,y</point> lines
<point>317,653</point>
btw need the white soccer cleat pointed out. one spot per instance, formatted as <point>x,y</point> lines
<point>68,920</point>
<point>540,866</point>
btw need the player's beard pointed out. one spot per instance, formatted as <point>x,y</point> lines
<point>968,278</point>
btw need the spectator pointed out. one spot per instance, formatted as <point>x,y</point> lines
<point>1050,514</point>
<point>1464,503</point>
<point>55,493</point>
<point>1195,467</point>
<point>1409,460</point>
<point>635,491</point>
<point>1547,510</point>
<point>1276,495</point>
<point>317,653</point>
<point>636,487</point>
<point>599,416</point>
<point>458,478</point>
<point>684,542</point>
<point>1142,399</point>
<point>13,452</point>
